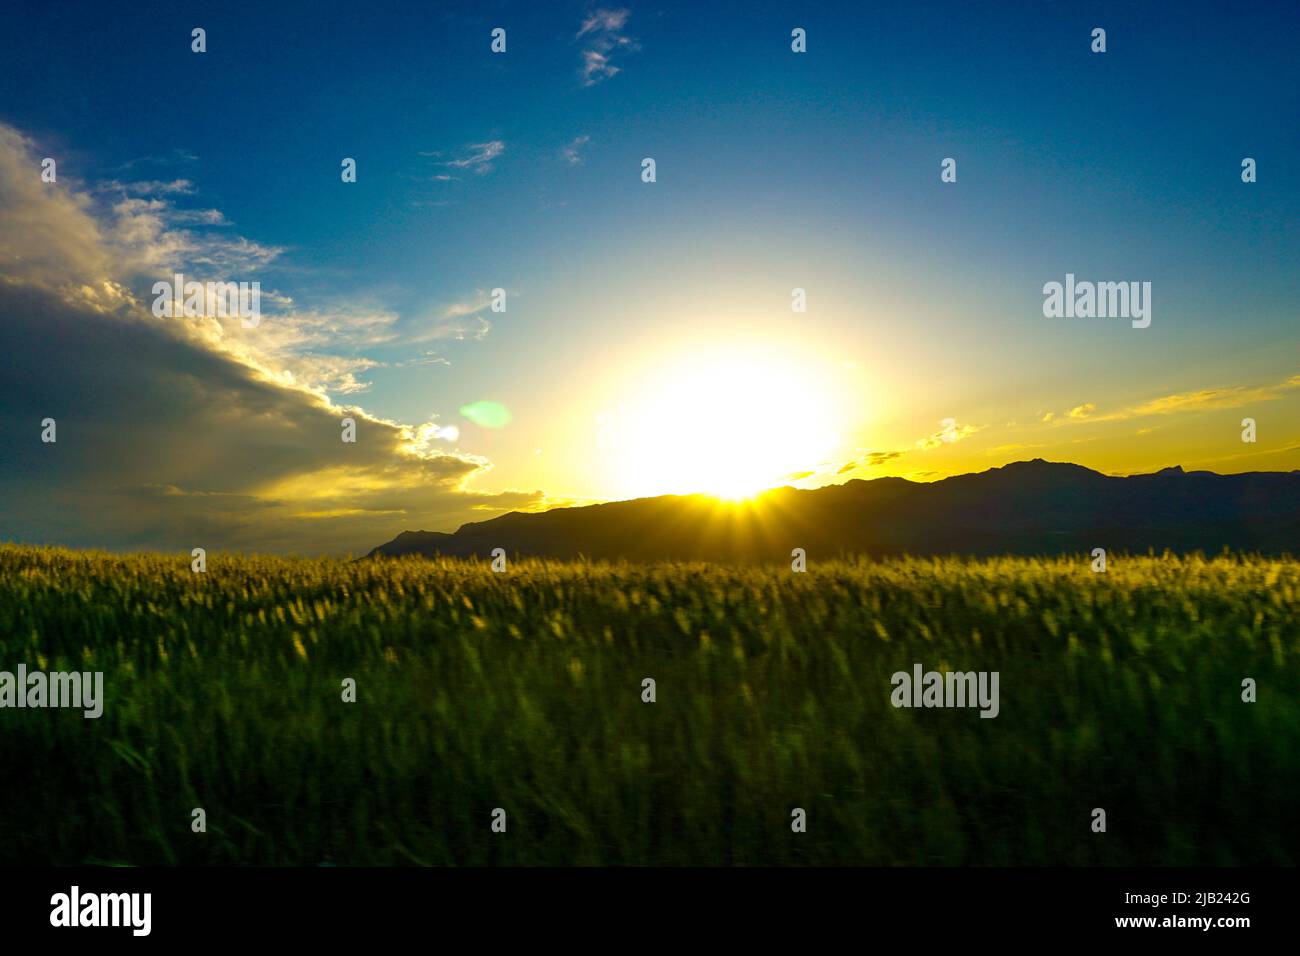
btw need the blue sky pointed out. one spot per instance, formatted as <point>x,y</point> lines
<point>775,170</point>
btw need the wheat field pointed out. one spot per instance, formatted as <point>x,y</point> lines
<point>523,691</point>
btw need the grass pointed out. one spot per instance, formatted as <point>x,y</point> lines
<point>522,690</point>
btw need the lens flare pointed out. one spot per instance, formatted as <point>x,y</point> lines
<point>487,414</point>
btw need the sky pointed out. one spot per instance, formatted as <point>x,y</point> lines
<point>649,341</point>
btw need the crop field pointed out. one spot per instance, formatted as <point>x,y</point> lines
<point>523,691</point>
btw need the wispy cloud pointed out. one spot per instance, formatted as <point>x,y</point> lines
<point>948,434</point>
<point>155,235</point>
<point>596,67</point>
<point>152,187</point>
<point>1205,399</point>
<point>871,460</point>
<point>470,306</point>
<point>572,153</point>
<point>176,157</point>
<point>427,358</point>
<point>604,22</point>
<point>603,37</point>
<point>1196,400</point>
<point>460,321</point>
<point>478,157</point>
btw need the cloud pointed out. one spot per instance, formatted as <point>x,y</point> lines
<point>471,328</point>
<point>573,152</point>
<point>153,235</point>
<point>604,22</point>
<point>602,33</point>
<point>950,433</point>
<point>478,157</point>
<point>175,187</point>
<point>1208,399</point>
<point>176,157</point>
<point>479,302</point>
<point>428,357</point>
<point>1197,400</point>
<point>596,67</point>
<point>871,460</point>
<point>300,347</point>
<point>458,321</point>
<point>182,433</point>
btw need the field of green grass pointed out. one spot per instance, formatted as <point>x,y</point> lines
<point>522,690</point>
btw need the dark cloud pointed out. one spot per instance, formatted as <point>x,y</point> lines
<point>167,439</point>
<point>162,444</point>
<point>872,460</point>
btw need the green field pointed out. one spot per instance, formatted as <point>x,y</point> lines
<point>522,690</point>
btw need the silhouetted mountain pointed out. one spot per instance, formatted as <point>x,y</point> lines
<point>1029,507</point>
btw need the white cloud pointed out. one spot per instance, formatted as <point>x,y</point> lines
<point>572,153</point>
<point>479,157</point>
<point>596,67</point>
<point>175,187</point>
<point>604,21</point>
<point>602,33</point>
<point>949,433</point>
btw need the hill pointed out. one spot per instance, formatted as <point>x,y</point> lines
<point>1026,508</point>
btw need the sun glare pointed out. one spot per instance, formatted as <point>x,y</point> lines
<point>728,424</point>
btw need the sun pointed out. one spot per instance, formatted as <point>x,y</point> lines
<point>727,423</point>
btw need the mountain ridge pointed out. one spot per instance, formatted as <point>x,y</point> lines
<point>1025,507</point>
